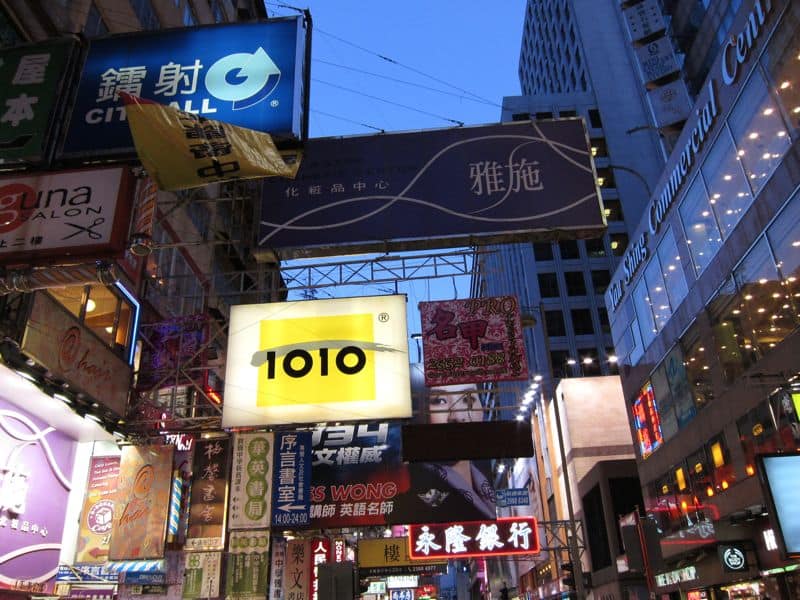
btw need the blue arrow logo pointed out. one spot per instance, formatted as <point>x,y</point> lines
<point>242,78</point>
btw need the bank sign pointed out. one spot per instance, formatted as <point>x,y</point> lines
<point>343,359</point>
<point>243,74</point>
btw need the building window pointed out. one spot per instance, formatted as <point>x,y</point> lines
<point>605,178</point>
<point>590,365</point>
<point>569,249</point>
<point>600,281</point>
<point>772,426</point>
<point>697,360</point>
<point>558,362</point>
<point>543,251</point>
<point>9,36</point>
<point>146,14</point>
<point>780,60</point>
<point>644,312</point>
<point>554,323</point>
<point>612,209</point>
<point>735,345</point>
<point>543,115</point>
<point>672,270</point>
<point>576,286</point>
<point>605,326</point>
<point>95,26</point>
<point>595,248</point>
<point>700,226</point>
<point>594,118</point>
<point>599,147</point>
<point>758,130</point>
<point>727,186</point>
<point>567,113</point>
<point>548,285</point>
<point>582,321</point>
<point>657,293</point>
<point>784,239</point>
<point>619,242</point>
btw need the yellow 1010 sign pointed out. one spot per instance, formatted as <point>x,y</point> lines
<point>317,360</point>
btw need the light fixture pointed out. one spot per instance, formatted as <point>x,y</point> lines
<point>91,305</point>
<point>612,358</point>
<point>501,467</point>
<point>26,375</point>
<point>537,378</point>
<point>571,362</point>
<point>588,360</point>
<point>93,417</point>
<point>64,398</point>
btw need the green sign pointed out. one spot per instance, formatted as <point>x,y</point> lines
<point>31,80</point>
<point>248,565</point>
<point>201,575</point>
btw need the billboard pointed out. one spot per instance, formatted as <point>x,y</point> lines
<point>32,80</point>
<point>291,491</point>
<point>501,537</point>
<point>473,341</point>
<point>64,214</point>
<point>245,74</point>
<point>98,510</point>
<point>209,495</point>
<point>433,189</point>
<point>780,479</point>
<point>317,360</point>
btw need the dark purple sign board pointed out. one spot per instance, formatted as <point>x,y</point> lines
<point>434,189</point>
<point>37,478</point>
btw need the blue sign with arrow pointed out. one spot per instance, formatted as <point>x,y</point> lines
<point>245,74</point>
<point>291,486</point>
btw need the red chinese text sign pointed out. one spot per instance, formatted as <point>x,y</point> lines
<point>501,537</point>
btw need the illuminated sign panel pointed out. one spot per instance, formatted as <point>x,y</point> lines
<point>318,360</point>
<point>501,537</point>
<point>647,421</point>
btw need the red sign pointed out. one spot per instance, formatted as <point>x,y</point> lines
<point>339,550</point>
<point>472,341</point>
<point>647,421</point>
<point>501,537</point>
<point>320,553</point>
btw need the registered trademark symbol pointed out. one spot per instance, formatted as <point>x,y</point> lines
<point>274,103</point>
<point>383,317</point>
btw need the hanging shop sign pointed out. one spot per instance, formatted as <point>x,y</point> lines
<point>33,78</point>
<point>433,189</point>
<point>501,537</point>
<point>86,573</point>
<point>317,360</point>
<point>58,341</point>
<point>251,478</point>
<point>201,575</point>
<point>670,103</point>
<point>297,570</point>
<point>209,495</point>
<point>656,59</point>
<point>37,464</point>
<point>644,19</point>
<point>276,569</point>
<point>57,216</point>
<point>245,74</point>
<point>473,341</point>
<point>247,572</point>
<point>291,489</point>
<point>320,553</point>
<point>381,557</point>
<point>402,581</point>
<point>97,516</point>
<point>513,497</point>
<point>141,504</point>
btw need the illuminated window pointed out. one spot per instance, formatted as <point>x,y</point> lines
<point>699,225</point>
<point>729,193</point>
<point>697,356</point>
<point>781,61</point>
<point>680,479</point>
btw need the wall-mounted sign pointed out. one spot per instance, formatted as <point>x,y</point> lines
<point>201,575</point>
<point>656,59</point>
<point>142,503</point>
<point>247,572</point>
<point>277,566</point>
<point>433,189</point>
<point>502,537</point>
<point>402,581</point>
<point>647,421</point>
<point>297,570</point>
<point>251,481</point>
<point>245,74</point>
<point>676,576</point>
<point>52,216</point>
<point>513,497</point>
<point>389,556</point>
<point>98,510</point>
<point>33,77</point>
<point>644,19</point>
<point>291,490</point>
<point>317,360</point>
<point>473,341</point>
<point>670,103</point>
<point>733,557</point>
<point>57,340</point>
<point>209,495</point>
<point>36,482</point>
<point>320,553</point>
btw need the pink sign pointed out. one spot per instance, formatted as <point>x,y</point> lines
<point>472,341</point>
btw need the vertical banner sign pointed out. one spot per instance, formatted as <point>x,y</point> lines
<point>291,503</point>
<point>276,570</point>
<point>251,477</point>
<point>339,550</point>
<point>208,495</point>
<point>142,503</point>
<point>297,571</point>
<point>98,510</point>
<point>473,341</point>
<point>201,576</point>
<point>320,553</point>
<point>247,574</point>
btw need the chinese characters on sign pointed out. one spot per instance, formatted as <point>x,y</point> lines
<point>201,575</point>
<point>209,492</point>
<point>297,571</point>
<point>389,556</point>
<point>292,485</point>
<point>276,569</point>
<point>473,341</point>
<point>250,480</point>
<point>98,510</point>
<point>517,535</point>
<point>320,553</point>
<point>247,574</point>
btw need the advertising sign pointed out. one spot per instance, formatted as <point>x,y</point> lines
<point>172,349</point>
<point>380,557</point>
<point>512,497</point>
<point>32,78</point>
<point>646,421</point>
<point>208,496</point>
<point>277,565</point>
<point>62,344</point>
<point>98,510</point>
<point>36,481</point>
<point>297,571</point>
<point>245,74</point>
<point>251,479</point>
<point>291,501</point>
<point>472,341</point>
<point>644,19</point>
<point>141,504</point>
<point>656,59</point>
<point>733,557</point>
<point>201,576</point>
<point>670,103</point>
<point>247,573</point>
<point>502,537</point>
<point>779,475</point>
<point>64,214</point>
<point>320,553</point>
<point>317,360</point>
<point>432,189</point>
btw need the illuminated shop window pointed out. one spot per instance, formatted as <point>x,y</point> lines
<point>672,269</point>
<point>700,226</point>
<point>646,421</point>
<point>733,338</point>
<point>729,193</point>
<point>782,61</point>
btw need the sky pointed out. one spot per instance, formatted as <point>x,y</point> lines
<point>385,65</point>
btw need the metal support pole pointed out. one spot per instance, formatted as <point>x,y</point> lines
<point>572,545</point>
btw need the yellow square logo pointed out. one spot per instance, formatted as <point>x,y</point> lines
<point>316,360</point>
